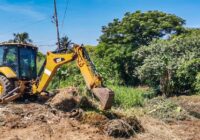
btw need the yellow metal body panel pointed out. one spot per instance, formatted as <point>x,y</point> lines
<point>53,62</point>
<point>8,72</point>
<point>34,88</point>
<point>1,89</point>
<point>92,80</point>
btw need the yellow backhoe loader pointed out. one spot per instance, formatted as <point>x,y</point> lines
<point>18,72</point>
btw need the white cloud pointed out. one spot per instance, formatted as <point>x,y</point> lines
<point>22,10</point>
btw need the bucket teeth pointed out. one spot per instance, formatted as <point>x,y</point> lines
<point>106,97</point>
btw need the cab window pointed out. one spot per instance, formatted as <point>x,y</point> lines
<point>27,63</point>
<point>10,57</point>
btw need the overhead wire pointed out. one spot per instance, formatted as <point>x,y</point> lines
<point>62,25</point>
<point>65,13</point>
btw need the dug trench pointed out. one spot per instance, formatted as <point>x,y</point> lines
<point>65,116</point>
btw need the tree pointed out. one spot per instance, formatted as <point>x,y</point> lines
<point>21,38</point>
<point>171,66</point>
<point>65,42</point>
<point>121,38</point>
<point>140,28</point>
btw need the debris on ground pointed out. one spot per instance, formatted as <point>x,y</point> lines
<point>117,126</point>
<point>166,110</point>
<point>190,103</point>
<point>60,111</point>
<point>70,101</point>
<point>49,121</point>
<point>124,128</point>
<point>38,121</point>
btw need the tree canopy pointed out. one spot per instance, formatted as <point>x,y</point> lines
<point>65,42</point>
<point>121,37</point>
<point>140,28</point>
<point>21,38</point>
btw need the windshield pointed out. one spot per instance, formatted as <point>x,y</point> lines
<point>9,55</point>
<point>27,62</point>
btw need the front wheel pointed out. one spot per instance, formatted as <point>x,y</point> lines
<point>5,86</point>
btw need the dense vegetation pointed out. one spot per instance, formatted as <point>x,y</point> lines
<point>122,37</point>
<point>151,49</point>
<point>171,66</point>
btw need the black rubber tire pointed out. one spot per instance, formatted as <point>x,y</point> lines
<point>7,85</point>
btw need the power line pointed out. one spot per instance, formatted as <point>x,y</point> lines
<point>65,13</point>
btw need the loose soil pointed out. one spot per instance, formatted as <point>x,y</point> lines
<point>49,121</point>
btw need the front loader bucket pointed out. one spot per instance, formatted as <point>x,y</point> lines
<point>106,97</point>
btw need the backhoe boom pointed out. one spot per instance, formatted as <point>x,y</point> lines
<point>55,60</point>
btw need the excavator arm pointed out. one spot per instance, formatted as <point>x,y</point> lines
<point>52,63</point>
<point>55,60</point>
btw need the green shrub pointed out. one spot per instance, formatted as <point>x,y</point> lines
<point>67,75</point>
<point>187,75</point>
<point>127,97</point>
<point>170,65</point>
<point>197,83</point>
<point>40,60</point>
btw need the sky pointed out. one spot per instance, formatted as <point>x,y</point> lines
<point>83,19</point>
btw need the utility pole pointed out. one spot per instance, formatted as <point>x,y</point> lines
<point>57,25</point>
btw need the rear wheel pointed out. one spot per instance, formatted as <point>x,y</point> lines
<point>5,85</point>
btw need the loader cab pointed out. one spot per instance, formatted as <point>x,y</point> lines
<point>20,58</point>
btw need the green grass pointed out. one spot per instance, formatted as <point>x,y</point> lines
<point>127,97</point>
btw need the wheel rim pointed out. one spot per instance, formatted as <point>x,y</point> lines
<point>1,89</point>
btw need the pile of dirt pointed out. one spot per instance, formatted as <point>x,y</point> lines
<point>65,102</point>
<point>107,122</point>
<point>69,99</point>
<point>124,128</point>
<point>117,126</point>
<point>94,118</point>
